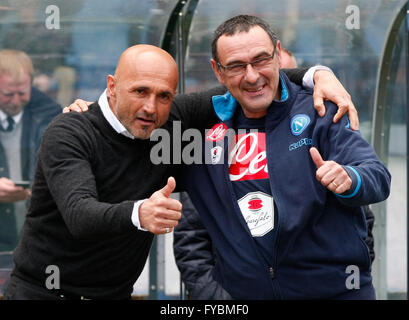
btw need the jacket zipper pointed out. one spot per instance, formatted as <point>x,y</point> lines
<point>273,268</point>
<point>271,271</point>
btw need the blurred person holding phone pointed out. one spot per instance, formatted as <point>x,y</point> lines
<point>24,114</point>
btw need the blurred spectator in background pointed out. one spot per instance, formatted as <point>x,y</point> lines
<point>287,59</point>
<point>24,114</point>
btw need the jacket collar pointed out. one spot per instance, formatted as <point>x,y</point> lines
<point>225,105</point>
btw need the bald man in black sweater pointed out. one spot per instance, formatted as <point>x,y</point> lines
<point>81,220</point>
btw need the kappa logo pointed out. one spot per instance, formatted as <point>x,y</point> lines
<point>217,132</point>
<point>299,123</point>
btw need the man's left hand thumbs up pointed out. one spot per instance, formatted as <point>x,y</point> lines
<point>331,174</point>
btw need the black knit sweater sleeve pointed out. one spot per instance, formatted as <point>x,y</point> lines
<point>66,158</point>
<point>195,110</point>
<point>296,75</point>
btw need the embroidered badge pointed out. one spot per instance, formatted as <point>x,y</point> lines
<point>257,209</point>
<point>217,132</point>
<point>216,153</point>
<point>299,123</point>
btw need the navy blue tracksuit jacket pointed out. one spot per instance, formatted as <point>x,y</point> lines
<point>319,235</point>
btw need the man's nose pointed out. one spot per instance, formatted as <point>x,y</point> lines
<point>150,105</point>
<point>16,99</point>
<point>251,74</point>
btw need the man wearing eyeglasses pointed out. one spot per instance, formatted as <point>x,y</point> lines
<point>282,196</point>
<point>193,249</point>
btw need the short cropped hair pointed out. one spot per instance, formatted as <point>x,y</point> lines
<point>241,23</point>
<point>15,63</point>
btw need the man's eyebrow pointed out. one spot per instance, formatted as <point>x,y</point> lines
<point>259,55</point>
<point>166,93</point>
<point>139,88</point>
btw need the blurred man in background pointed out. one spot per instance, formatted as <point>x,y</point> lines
<point>24,114</point>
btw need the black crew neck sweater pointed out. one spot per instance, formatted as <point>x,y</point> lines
<point>80,213</point>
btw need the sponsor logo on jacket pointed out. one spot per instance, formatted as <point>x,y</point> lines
<point>248,159</point>
<point>216,153</point>
<point>217,132</point>
<point>300,143</point>
<point>257,209</point>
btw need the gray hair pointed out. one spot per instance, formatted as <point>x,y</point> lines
<point>241,23</point>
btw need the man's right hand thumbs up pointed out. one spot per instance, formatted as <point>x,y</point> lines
<point>160,214</point>
<point>168,189</point>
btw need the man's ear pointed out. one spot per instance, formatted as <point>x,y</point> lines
<point>216,71</point>
<point>278,52</point>
<point>111,86</point>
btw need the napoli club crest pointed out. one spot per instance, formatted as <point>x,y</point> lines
<point>299,123</point>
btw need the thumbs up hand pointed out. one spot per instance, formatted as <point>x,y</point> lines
<point>160,214</point>
<point>331,174</point>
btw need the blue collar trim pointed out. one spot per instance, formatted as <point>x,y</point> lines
<point>284,91</point>
<point>225,105</point>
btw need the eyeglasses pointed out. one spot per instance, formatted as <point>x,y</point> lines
<point>240,68</point>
